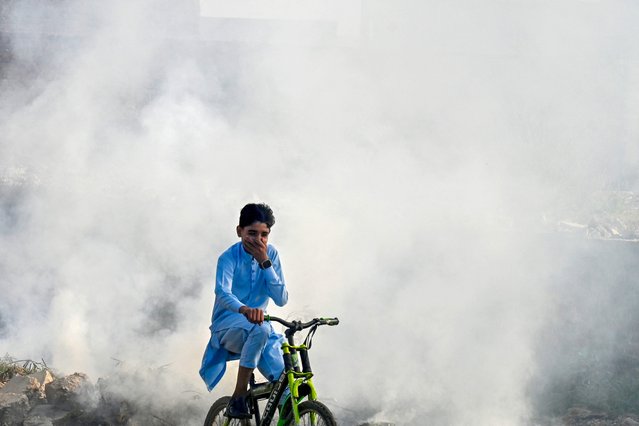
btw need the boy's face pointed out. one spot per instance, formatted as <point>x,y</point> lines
<point>254,233</point>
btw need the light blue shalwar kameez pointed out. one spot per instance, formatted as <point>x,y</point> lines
<point>241,282</point>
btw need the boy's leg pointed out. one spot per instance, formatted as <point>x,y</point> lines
<point>250,345</point>
<point>250,356</point>
<point>243,378</point>
<point>271,363</point>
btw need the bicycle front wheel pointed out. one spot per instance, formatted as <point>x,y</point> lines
<point>216,416</point>
<point>316,414</point>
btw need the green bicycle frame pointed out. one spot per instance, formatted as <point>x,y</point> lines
<point>297,379</point>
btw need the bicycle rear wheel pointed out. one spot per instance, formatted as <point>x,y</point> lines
<point>216,417</point>
<point>316,414</point>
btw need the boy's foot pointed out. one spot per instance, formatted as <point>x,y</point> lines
<point>238,408</point>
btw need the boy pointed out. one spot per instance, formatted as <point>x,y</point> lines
<point>248,275</point>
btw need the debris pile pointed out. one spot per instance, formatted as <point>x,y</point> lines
<point>39,398</point>
<point>579,416</point>
<point>603,215</point>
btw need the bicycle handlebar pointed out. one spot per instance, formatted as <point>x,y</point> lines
<point>299,325</point>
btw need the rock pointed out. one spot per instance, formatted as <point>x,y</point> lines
<point>44,377</point>
<point>21,384</point>
<point>37,421</point>
<point>13,408</point>
<point>71,392</point>
<point>47,411</point>
<point>32,385</point>
<point>629,421</point>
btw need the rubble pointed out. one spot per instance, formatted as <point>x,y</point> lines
<point>41,399</point>
<point>46,414</point>
<point>580,416</point>
<point>71,392</point>
<point>32,385</point>
<point>603,215</point>
<point>13,408</point>
<point>19,394</point>
<point>32,395</point>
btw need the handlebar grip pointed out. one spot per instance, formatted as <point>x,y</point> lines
<point>331,321</point>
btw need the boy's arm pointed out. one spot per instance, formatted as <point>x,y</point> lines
<point>273,274</point>
<point>224,284</point>
<point>275,280</point>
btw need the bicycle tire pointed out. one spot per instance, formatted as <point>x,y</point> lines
<point>323,416</point>
<point>216,417</point>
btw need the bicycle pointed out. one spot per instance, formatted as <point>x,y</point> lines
<point>301,406</point>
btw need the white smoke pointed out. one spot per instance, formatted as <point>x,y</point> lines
<point>409,173</point>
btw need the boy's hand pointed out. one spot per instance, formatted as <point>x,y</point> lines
<point>254,315</point>
<point>257,249</point>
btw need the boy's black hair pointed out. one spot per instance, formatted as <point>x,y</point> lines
<point>252,213</point>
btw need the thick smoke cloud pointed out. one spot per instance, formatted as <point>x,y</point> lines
<point>414,174</point>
